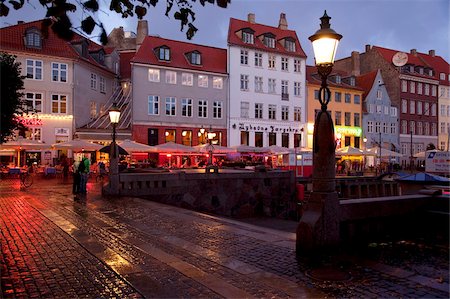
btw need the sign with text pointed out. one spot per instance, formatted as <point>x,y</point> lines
<point>437,162</point>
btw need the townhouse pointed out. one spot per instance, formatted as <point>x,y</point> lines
<point>267,99</point>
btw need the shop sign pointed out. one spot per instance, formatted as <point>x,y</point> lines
<point>264,128</point>
<point>348,131</point>
<point>29,121</point>
<point>437,162</point>
<point>62,131</point>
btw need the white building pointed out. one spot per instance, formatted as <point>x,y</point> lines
<point>267,102</point>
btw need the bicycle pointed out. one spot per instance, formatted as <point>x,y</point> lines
<point>25,178</point>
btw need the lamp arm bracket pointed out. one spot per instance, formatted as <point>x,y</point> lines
<point>324,71</point>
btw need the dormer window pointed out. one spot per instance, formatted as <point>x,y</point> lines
<point>352,81</point>
<point>269,40</point>
<point>195,58</point>
<point>430,72</point>
<point>164,53</point>
<point>442,76</point>
<point>338,79</point>
<point>290,45</point>
<point>247,36</point>
<point>33,38</point>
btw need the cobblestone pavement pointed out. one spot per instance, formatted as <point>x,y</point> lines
<point>95,247</point>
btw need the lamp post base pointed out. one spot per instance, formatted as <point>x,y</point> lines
<point>318,229</point>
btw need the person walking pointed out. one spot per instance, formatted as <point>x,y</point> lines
<point>83,169</point>
<point>76,177</point>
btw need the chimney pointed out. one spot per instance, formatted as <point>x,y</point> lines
<point>251,18</point>
<point>356,70</point>
<point>142,32</point>
<point>414,52</point>
<point>432,53</point>
<point>20,22</point>
<point>283,24</point>
<point>368,47</point>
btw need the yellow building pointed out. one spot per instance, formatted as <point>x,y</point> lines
<point>344,107</point>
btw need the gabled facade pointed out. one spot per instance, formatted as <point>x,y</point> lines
<point>67,83</point>
<point>379,117</point>
<point>412,86</point>
<point>267,85</point>
<point>344,107</point>
<point>178,89</point>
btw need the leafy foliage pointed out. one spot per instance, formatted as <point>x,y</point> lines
<point>57,10</point>
<point>11,101</point>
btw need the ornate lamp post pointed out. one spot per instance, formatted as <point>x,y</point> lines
<point>210,136</point>
<point>319,226</point>
<point>114,116</point>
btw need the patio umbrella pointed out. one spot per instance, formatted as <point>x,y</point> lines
<point>136,147</point>
<point>78,145</point>
<point>349,151</point>
<point>275,149</point>
<point>249,149</point>
<point>172,147</point>
<point>107,149</point>
<point>217,149</point>
<point>421,155</point>
<point>384,153</point>
<point>25,144</point>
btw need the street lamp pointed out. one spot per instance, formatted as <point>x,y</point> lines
<point>211,135</point>
<point>319,227</point>
<point>114,116</point>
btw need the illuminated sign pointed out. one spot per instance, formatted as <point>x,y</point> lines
<point>265,128</point>
<point>29,121</point>
<point>348,131</point>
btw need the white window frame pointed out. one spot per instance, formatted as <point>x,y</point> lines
<point>247,37</point>
<point>284,112</point>
<point>272,85</point>
<point>419,109</point>
<point>34,69</point>
<point>404,86</point>
<point>34,101</point>
<point>217,109</point>
<point>285,87</point>
<point>245,107</point>
<point>297,113</point>
<point>171,77</point>
<point>272,59</point>
<point>202,81</point>
<point>404,106</point>
<point>285,64</point>
<point>153,105</point>
<point>297,89</point>
<point>394,111</point>
<point>412,107</point>
<point>62,103</point>
<point>187,107</point>
<point>170,106</point>
<point>244,57</point>
<point>218,82</point>
<point>258,59</point>
<point>102,84</point>
<point>187,79</point>
<point>297,66</point>
<point>244,82</point>
<point>258,110</point>
<point>412,87</point>
<point>258,84</point>
<point>272,111</point>
<point>153,75</point>
<point>370,127</point>
<point>59,70</point>
<point>202,108</point>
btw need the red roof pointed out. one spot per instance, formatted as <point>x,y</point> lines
<point>439,65</point>
<point>366,82</point>
<point>212,59</point>
<point>387,54</point>
<point>313,78</point>
<point>12,39</point>
<point>125,65</point>
<point>236,25</point>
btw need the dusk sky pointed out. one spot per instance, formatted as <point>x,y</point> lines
<point>398,24</point>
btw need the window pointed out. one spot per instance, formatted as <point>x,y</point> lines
<point>187,79</point>
<point>258,84</point>
<point>442,76</point>
<point>419,88</point>
<point>93,81</point>
<point>186,107</point>
<point>338,79</point>
<point>217,82</point>
<point>93,109</point>
<point>379,94</point>
<point>357,99</point>
<point>394,111</point>
<point>412,127</point>
<point>442,110</point>
<point>258,59</point>
<point>34,102</point>
<point>153,105</point>
<point>170,135</point>
<point>284,90</point>
<point>259,142</point>
<point>433,90</point>
<point>377,127</point>
<point>404,86</point>
<point>347,117</point>
<point>427,89</point>
<point>164,54</point>
<point>102,85</point>
<point>433,109</point>
<point>297,114</point>
<point>297,89</point>
<point>217,109</point>
<point>426,108</point>
<point>33,134</point>
<point>379,109</point>
<point>272,85</point>
<point>272,60</point>
<point>404,106</point>
<point>352,81</point>
<point>412,87</point>
<point>337,118</point>
<point>244,82</point>
<point>386,110</point>
<point>385,128</point>
<point>419,108</point>
<point>272,139</point>
<point>356,120</point>
<point>348,98</point>
<point>370,127</point>
<point>202,81</point>
<point>290,45</point>
<point>258,110</point>
<point>195,58</point>
<point>245,106</point>
<point>443,128</point>
<point>371,108</point>
<point>404,127</point>
<point>297,66</point>
<point>33,38</point>
<point>245,136</point>
<point>171,106</point>
<point>269,41</point>
<point>202,108</point>
<point>59,103</point>
<point>244,57</point>
<point>284,112</point>
<point>272,111</point>
<point>171,77</point>
<point>393,128</point>
<point>247,37</point>
<point>426,128</point>
<point>337,96</point>
<point>34,69</point>
<point>316,94</point>
<point>433,129</point>
<point>153,75</point>
<point>59,72</point>
<point>285,139</point>
<point>284,64</point>
<point>419,128</point>
<point>412,107</point>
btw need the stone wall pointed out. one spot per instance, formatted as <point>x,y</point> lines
<point>243,194</point>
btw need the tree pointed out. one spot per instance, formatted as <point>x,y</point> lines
<point>59,22</point>
<point>11,101</point>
